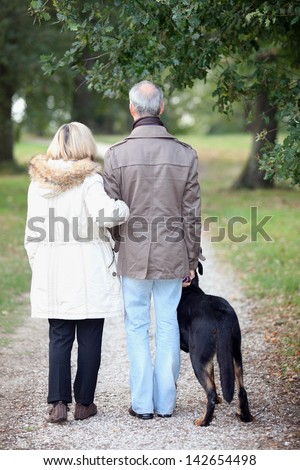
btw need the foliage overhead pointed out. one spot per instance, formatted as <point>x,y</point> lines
<point>21,46</point>
<point>245,47</point>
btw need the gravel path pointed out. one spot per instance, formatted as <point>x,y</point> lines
<point>23,393</point>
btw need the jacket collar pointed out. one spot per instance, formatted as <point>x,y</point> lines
<point>151,132</point>
<point>60,175</point>
<point>147,121</point>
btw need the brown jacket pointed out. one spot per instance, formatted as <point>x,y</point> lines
<point>157,176</point>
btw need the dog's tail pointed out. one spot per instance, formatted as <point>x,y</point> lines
<point>225,361</point>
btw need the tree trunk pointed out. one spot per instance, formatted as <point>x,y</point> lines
<point>81,102</point>
<point>265,121</point>
<point>6,125</point>
<point>83,98</point>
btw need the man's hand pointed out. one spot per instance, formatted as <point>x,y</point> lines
<point>187,280</point>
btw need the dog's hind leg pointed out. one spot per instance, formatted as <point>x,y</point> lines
<point>205,375</point>
<point>218,399</point>
<point>244,411</point>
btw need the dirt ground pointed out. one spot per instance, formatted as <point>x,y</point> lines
<point>23,391</point>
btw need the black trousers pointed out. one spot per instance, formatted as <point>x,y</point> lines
<point>61,338</point>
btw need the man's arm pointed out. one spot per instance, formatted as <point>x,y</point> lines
<point>111,177</point>
<point>191,212</point>
<point>112,187</point>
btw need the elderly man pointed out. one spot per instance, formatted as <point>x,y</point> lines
<point>157,176</point>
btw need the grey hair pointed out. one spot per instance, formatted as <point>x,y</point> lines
<point>146,98</point>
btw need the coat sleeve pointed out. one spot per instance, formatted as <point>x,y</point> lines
<point>191,212</point>
<point>34,233</point>
<point>107,211</point>
<point>111,178</point>
<point>113,187</point>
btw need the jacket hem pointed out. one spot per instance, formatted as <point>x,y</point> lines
<point>74,316</point>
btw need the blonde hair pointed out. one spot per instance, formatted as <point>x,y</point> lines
<point>73,141</point>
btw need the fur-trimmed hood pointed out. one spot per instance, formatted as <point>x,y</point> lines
<point>57,176</point>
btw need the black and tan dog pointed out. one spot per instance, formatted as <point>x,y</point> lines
<point>209,326</point>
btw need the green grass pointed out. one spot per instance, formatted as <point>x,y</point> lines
<point>28,147</point>
<point>14,268</point>
<point>207,142</point>
<point>110,139</point>
<point>269,266</point>
<point>269,270</point>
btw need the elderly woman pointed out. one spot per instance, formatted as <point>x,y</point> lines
<point>74,281</point>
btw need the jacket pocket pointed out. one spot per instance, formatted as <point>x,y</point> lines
<point>113,280</point>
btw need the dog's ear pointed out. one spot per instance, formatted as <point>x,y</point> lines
<point>200,268</point>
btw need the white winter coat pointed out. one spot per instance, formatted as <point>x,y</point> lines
<point>72,260</point>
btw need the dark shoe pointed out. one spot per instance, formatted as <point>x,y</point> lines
<point>84,412</point>
<point>58,413</point>
<point>140,415</point>
<point>164,416</point>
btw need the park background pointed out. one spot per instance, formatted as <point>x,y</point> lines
<point>36,98</point>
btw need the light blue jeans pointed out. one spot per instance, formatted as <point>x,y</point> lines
<point>153,385</point>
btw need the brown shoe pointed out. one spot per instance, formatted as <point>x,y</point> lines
<point>58,413</point>
<point>84,412</point>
